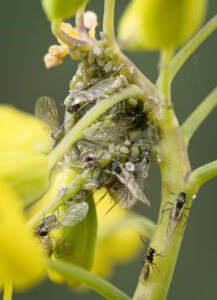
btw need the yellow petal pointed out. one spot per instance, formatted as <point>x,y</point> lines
<point>27,173</point>
<point>21,132</point>
<point>21,260</point>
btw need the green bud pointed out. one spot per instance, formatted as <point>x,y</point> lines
<point>27,174</point>
<point>161,23</point>
<point>76,244</point>
<point>61,9</point>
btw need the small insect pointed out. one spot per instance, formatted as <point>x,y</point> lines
<point>46,110</point>
<point>125,191</point>
<point>176,213</point>
<point>149,261</point>
<point>72,215</point>
<point>86,96</point>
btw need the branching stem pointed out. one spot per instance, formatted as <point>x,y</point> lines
<point>203,174</point>
<point>108,22</point>
<point>199,115</point>
<point>89,279</point>
<point>191,46</point>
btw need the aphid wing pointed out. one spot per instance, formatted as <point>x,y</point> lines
<point>94,92</point>
<point>73,215</point>
<point>46,110</point>
<point>130,182</point>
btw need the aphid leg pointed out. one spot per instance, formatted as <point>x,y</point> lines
<point>164,210</point>
<point>101,198</point>
<point>187,218</point>
<point>111,208</point>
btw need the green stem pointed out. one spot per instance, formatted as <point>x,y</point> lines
<point>108,22</point>
<point>163,81</point>
<point>191,46</point>
<point>89,279</point>
<point>202,174</point>
<point>199,115</point>
<point>72,189</point>
<point>8,291</point>
<point>84,45</point>
<point>75,133</point>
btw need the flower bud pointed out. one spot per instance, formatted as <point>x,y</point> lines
<point>61,9</point>
<point>161,23</point>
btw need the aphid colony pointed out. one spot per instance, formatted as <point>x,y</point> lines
<point>115,152</point>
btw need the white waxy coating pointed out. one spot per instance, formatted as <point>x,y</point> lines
<point>130,166</point>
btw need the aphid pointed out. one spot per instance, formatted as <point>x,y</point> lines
<point>176,212</point>
<point>46,110</point>
<point>149,261</point>
<point>72,215</point>
<point>125,191</point>
<point>86,96</point>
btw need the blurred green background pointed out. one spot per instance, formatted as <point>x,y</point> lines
<point>25,37</point>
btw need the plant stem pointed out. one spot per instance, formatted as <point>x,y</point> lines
<point>84,45</point>
<point>203,174</point>
<point>89,279</point>
<point>199,115</point>
<point>108,22</point>
<point>191,46</point>
<point>75,133</point>
<point>163,81</point>
<point>8,290</point>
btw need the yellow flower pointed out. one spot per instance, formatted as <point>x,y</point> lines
<point>21,132</point>
<point>161,23</point>
<point>57,52</point>
<point>21,260</point>
<point>22,165</point>
<point>117,242</point>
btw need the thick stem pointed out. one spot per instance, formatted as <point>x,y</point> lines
<point>89,279</point>
<point>191,46</point>
<point>175,168</point>
<point>199,115</point>
<point>75,133</point>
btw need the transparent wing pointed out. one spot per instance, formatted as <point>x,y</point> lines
<point>96,91</point>
<point>73,215</point>
<point>46,110</point>
<point>129,181</point>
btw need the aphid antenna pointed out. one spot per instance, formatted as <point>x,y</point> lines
<point>143,241</point>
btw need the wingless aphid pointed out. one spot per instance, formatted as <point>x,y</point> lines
<point>176,213</point>
<point>149,261</point>
<point>46,110</point>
